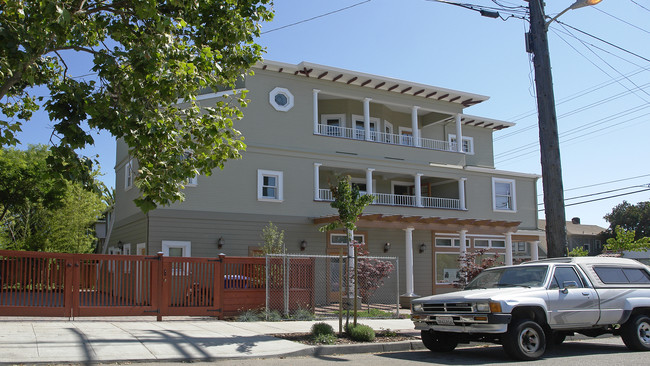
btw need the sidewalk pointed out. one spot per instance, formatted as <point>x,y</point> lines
<point>93,340</point>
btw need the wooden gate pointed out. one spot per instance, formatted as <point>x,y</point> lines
<point>76,285</point>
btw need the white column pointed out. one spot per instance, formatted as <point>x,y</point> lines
<point>463,239</point>
<point>369,187</point>
<point>508,249</point>
<point>366,117</point>
<point>409,262</point>
<point>534,250</point>
<point>461,193</point>
<point>414,125</point>
<point>316,91</point>
<point>317,181</point>
<point>418,190</point>
<point>459,134</point>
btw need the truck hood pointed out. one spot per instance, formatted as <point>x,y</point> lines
<point>479,294</point>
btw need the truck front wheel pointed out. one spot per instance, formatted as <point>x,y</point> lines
<point>524,340</point>
<point>636,333</point>
<point>439,342</point>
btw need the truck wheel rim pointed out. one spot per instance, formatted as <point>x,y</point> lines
<point>644,332</point>
<point>529,340</point>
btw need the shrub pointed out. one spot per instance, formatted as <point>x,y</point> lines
<point>274,316</point>
<point>321,329</point>
<point>388,333</point>
<point>361,333</point>
<point>249,316</point>
<point>325,339</point>
<point>302,314</point>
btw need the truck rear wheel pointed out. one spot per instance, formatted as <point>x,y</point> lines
<point>525,340</point>
<point>439,342</point>
<point>636,333</point>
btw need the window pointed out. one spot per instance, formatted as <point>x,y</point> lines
<point>585,247</point>
<point>503,195</point>
<point>281,99</point>
<point>269,185</point>
<point>446,242</point>
<point>520,246</point>
<point>360,127</point>
<point>490,243</point>
<point>481,243</point>
<point>498,243</point>
<point>563,275</point>
<point>447,270</point>
<point>128,175</point>
<point>334,124</point>
<point>177,249</point>
<point>457,243</point>
<point>342,239</point>
<point>388,132</point>
<point>614,275</point>
<point>468,143</point>
<point>406,136</point>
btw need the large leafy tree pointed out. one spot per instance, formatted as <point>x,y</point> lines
<point>625,241</point>
<point>147,55</point>
<point>635,218</point>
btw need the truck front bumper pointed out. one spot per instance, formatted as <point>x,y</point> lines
<point>495,323</point>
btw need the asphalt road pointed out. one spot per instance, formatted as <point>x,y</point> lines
<point>592,352</point>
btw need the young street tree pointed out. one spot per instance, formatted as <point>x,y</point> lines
<point>147,56</point>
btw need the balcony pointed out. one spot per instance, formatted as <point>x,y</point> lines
<point>401,200</point>
<point>386,138</point>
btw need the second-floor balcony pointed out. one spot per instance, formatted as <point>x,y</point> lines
<point>387,199</point>
<point>383,137</point>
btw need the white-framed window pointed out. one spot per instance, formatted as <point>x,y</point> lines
<point>519,246</point>
<point>141,249</point>
<point>269,185</point>
<point>128,174</point>
<point>388,132</point>
<point>193,181</point>
<point>360,127</point>
<point>342,239</point>
<point>335,124</point>
<point>406,136</point>
<point>447,242</point>
<point>447,268</point>
<point>490,243</point>
<point>281,99</point>
<point>468,143</point>
<point>503,195</point>
<point>497,243</point>
<point>481,243</point>
<point>172,248</point>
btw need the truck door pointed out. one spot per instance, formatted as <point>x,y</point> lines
<point>571,302</point>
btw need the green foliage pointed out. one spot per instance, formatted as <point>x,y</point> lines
<point>53,214</point>
<point>349,203</point>
<point>388,333</point>
<point>274,316</point>
<point>373,313</point>
<point>302,314</point>
<point>250,316</point>
<point>361,333</point>
<point>324,338</point>
<point>321,329</point>
<point>630,217</point>
<point>273,240</point>
<point>578,252</point>
<point>147,55</point>
<point>624,241</point>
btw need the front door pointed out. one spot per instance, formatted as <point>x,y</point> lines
<point>571,302</point>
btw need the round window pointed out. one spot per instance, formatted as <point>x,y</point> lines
<point>281,99</point>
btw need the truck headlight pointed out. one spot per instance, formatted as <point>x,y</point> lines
<point>483,307</point>
<point>417,308</point>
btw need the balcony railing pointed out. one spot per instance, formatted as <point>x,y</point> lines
<point>387,138</point>
<point>401,200</point>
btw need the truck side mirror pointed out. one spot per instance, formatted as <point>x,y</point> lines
<point>566,285</point>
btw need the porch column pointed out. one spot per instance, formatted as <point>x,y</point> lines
<point>369,187</point>
<point>366,117</point>
<point>508,249</point>
<point>316,91</point>
<point>461,194</point>
<point>409,262</point>
<point>459,134</point>
<point>534,250</point>
<point>418,190</point>
<point>463,239</point>
<point>317,181</point>
<point>414,126</point>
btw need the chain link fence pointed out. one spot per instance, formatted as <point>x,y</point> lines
<point>301,286</point>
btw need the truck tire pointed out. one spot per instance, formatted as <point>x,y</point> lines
<point>636,333</point>
<point>439,342</point>
<point>525,340</point>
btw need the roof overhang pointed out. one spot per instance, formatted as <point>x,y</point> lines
<point>320,72</point>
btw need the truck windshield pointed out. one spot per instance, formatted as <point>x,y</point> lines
<point>521,276</point>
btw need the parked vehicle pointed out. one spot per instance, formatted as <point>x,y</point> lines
<point>535,304</point>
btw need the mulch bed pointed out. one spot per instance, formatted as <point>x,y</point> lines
<point>381,337</point>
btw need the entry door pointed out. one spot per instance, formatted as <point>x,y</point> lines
<point>571,303</point>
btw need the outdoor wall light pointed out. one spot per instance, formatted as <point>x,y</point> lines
<point>303,245</point>
<point>120,245</point>
<point>386,247</point>
<point>220,242</point>
<point>423,247</point>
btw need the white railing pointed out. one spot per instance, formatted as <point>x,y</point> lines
<point>386,138</point>
<point>401,200</point>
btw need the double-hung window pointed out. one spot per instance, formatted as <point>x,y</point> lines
<point>503,195</point>
<point>128,175</point>
<point>269,185</point>
<point>468,144</point>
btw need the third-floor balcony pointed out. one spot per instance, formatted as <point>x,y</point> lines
<point>403,200</point>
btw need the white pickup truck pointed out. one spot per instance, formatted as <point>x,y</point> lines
<point>529,306</point>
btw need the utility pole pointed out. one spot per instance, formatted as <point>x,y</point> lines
<point>537,43</point>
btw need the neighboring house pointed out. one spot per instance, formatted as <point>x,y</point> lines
<point>305,125</point>
<point>579,235</point>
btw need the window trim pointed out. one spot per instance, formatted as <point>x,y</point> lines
<point>331,235</point>
<point>373,121</point>
<point>261,173</point>
<point>470,141</point>
<point>284,91</point>
<point>128,175</point>
<point>185,245</point>
<point>513,187</point>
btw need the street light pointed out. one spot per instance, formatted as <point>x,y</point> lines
<point>549,144</point>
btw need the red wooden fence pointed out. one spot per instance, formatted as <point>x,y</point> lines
<point>71,285</point>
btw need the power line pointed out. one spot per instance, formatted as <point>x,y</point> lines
<point>641,6</point>
<point>622,20</point>
<point>609,182</point>
<point>603,192</point>
<point>602,198</point>
<point>316,17</point>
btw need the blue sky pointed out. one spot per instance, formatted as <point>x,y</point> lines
<point>601,91</point>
